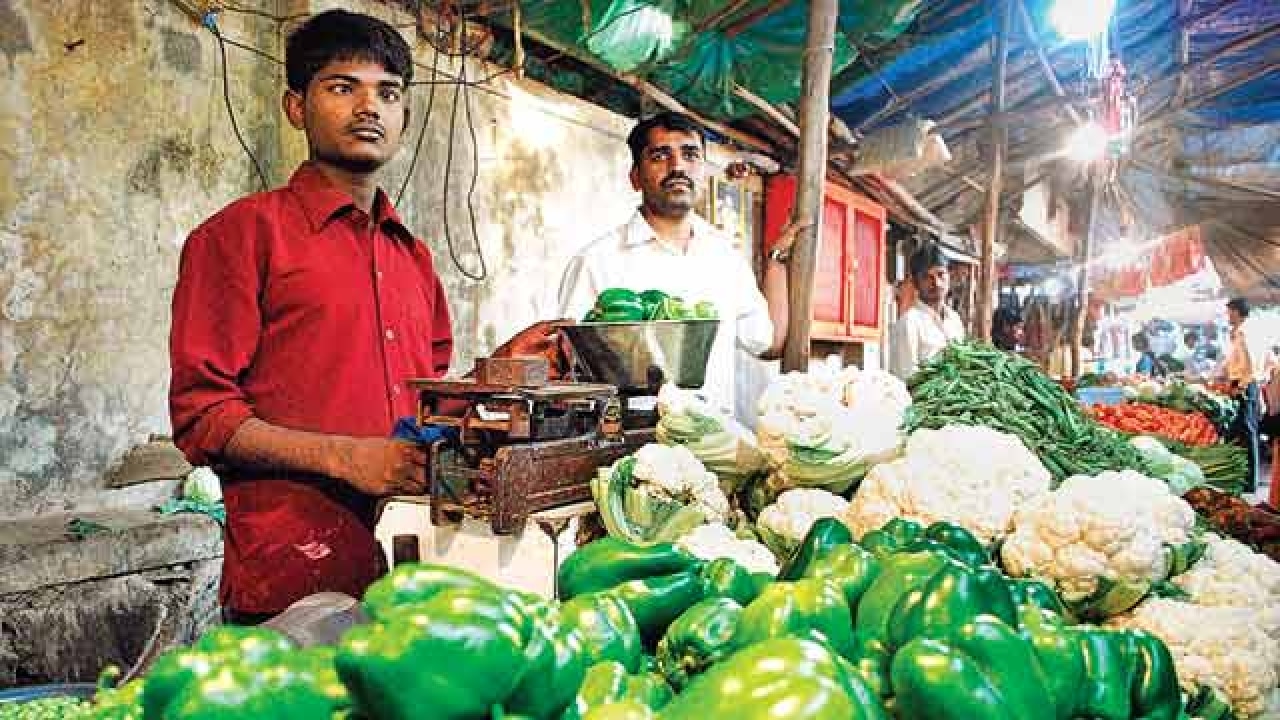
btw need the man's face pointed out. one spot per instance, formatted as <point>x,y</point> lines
<point>934,284</point>
<point>1233,317</point>
<point>670,172</point>
<point>353,113</point>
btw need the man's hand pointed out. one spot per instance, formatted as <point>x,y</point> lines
<point>378,466</point>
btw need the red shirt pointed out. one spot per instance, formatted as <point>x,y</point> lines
<point>293,307</point>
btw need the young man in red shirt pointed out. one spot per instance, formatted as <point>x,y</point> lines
<point>297,317</point>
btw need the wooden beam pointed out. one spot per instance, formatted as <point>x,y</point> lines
<point>769,110</point>
<point>1029,29</point>
<point>991,219</point>
<point>670,103</point>
<point>719,16</point>
<point>1244,42</point>
<point>815,103</point>
<point>750,19</point>
<point>1082,281</point>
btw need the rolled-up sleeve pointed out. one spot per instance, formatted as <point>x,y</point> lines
<point>215,330</point>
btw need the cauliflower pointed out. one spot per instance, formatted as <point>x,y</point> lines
<point>826,427</point>
<point>714,541</point>
<point>1218,647</point>
<point>726,447</point>
<point>1232,575</point>
<point>1114,526</point>
<point>785,523</point>
<point>975,477</point>
<point>657,494</point>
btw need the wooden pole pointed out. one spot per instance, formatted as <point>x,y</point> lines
<point>1082,281</point>
<point>991,220</point>
<point>815,101</point>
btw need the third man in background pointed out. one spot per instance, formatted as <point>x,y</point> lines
<point>926,327</point>
<point>1246,369</point>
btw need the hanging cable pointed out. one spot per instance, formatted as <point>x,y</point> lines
<point>211,22</point>
<point>422,132</point>
<point>459,91</point>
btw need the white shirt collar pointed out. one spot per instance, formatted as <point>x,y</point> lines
<point>638,232</point>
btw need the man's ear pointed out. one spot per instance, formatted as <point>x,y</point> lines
<point>635,178</point>
<point>294,105</point>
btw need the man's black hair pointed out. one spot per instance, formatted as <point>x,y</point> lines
<point>341,35</point>
<point>1240,305</point>
<point>927,258</point>
<point>638,140</point>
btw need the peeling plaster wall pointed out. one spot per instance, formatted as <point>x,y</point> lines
<point>116,144</point>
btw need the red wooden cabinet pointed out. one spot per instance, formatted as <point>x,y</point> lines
<point>849,278</point>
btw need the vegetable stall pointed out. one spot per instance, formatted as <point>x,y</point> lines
<point>971,544</point>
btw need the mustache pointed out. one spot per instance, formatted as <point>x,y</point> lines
<point>673,178</point>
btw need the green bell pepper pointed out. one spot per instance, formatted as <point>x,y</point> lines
<point>656,602</point>
<point>699,638</point>
<point>1128,674</point>
<point>555,662</point>
<point>1037,594</point>
<point>298,685</point>
<point>812,608</point>
<point>463,651</point>
<point>1058,653</point>
<point>607,628</point>
<point>222,647</point>
<point>871,658</point>
<point>617,305</point>
<point>892,537</point>
<point>609,683</point>
<point>981,669</point>
<point>725,578</point>
<point>899,574</point>
<point>705,310</point>
<point>415,582</point>
<point>608,562</point>
<point>963,545</point>
<point>953,596</point>
<point>850,568</point>
<point>778,678</point>
<point>824,535</point>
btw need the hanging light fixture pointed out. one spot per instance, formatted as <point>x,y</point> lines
<point>1081,19</point>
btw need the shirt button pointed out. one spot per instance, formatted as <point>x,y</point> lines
<point>395,389</point>
<point>378,273</point>
<point>391,334</point>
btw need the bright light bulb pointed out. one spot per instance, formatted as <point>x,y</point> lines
<point>1081,19</point>
<point>1088,143</point>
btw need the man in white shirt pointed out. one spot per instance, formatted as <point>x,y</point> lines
<point>666,246</point>
<point>927,326</point>
<point>1246,369</point>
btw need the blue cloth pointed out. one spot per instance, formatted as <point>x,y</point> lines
<point>408,429</point>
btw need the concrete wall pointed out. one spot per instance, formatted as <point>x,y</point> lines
<point>115,143</point>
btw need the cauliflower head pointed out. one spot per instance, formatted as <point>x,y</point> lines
<point>1114,525</point>
<point>786,522</point>
<point>975,477</point>
<point>715,540</point>
<point>1232,575</point>
<point>1219,647</point>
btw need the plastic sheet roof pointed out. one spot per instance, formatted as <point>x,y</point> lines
<point>1206,149</point>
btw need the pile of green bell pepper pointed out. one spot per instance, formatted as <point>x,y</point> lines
<point>623,305</point>
<point>913,622</point>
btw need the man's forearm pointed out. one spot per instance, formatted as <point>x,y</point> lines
<point>779,301</point>
<point>259,445</point>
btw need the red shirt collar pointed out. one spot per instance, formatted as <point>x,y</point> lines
<point>322,202</point>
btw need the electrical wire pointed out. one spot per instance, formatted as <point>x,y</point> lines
<point>461,90</point>
<point>211,22</point>
<point>422,132</point>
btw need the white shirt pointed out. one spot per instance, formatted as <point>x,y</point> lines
<point>920,334</point>
<point>711,269</point>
